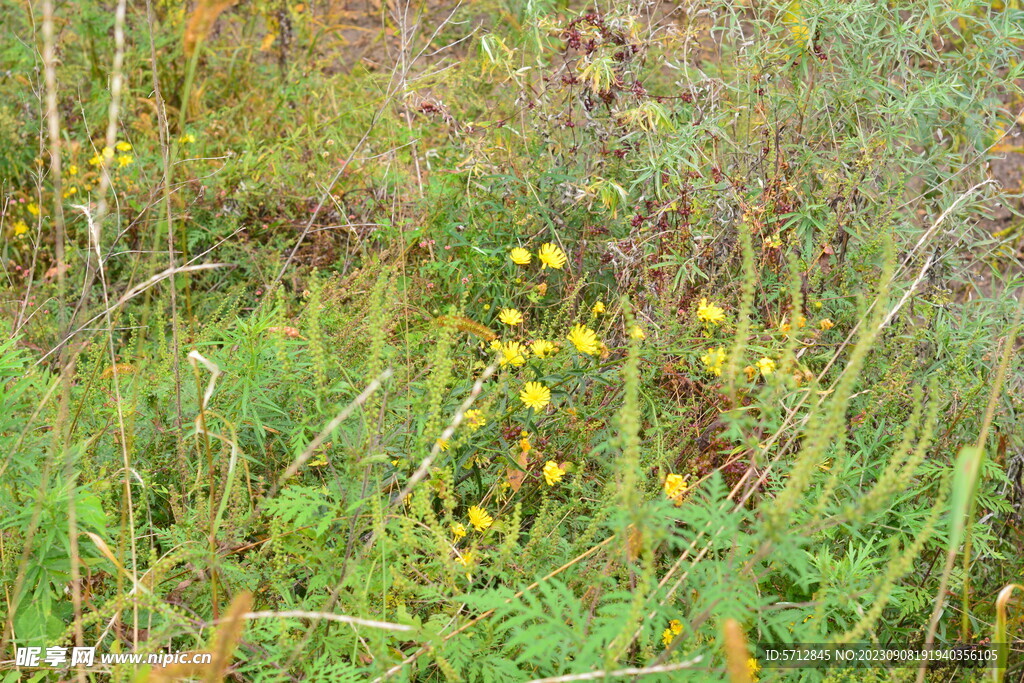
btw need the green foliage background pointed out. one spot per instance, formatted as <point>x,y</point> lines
<point>357,178</point>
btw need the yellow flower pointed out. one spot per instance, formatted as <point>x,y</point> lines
<point>512,353</point>
<point>598,308</point>
<point>541,289</point>
<point>542,348</point>
<point>675,487</point>
<point>710,313</point>
<point>551,256</point>
<point>637,332</point>
<point>674,629</point>
<point>442,444</point>
<point>525,445</point>
<point>70,191</point>
<point>826,324</point>
<point>72,170</point>
<point>108,153</point>
<point>585,340</point>
<point>766,366</point>
<point>123,146</point>
<point>32,208</point>
<point>458,529</point>
<point>535,395</point>
<point>96,160</point>
<point>20,228</point>
<point>465,559</point>
<point>510,316</point>
<point>552,472</point>
<point>752,668</point>
<point>751,372</point>
<point>799,321</point>
<point>479,518</point>
<point>713,361</point>
<point>520,256</point>
<point>124,160</point>
<point>475,419</point>
<point>187,139</point>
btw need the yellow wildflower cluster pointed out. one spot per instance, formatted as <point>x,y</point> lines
<point>552,472</point>
<point>713,361</point>
<point>535,395</point>
<point>511,353</point>
<point>474,419</point>
<point>709,313</point>
<point>766,366</point>
<point>479,519</point>
<point>543,348</point>
<point>107,155</point>
<point>675,488</point>
<point>675,627</point>
<point>550,255</point>
<point>585,340</point>
<point>510,316</point>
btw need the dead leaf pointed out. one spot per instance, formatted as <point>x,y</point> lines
<point>516,476</point>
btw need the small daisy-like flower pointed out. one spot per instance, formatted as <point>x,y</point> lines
<point>713,361</point>
<point>72,170</point>
<point>479,518</point>
<point>32,208</point>
<point>598,308</point>
<point>510,316</point>
<point>637,332</point>
<point>766,366</point>
<point>752,668</point>
<point>474,419</point>
<point>442,444</point>
<point>525,445</point>
<point>187,139</point>
<point>458,529</point>
<point>826,324</point>
<point>675,487</point>
<point>535,395</point>
<point>542,348</point>
<point>512,353</point>
<point>520,256</point>
<point>710,313</point>
<point>551,256</point>
<point>20,228</point>
<point>552,472</point>
<point>123,146</point>
<point>124,160</point>
<point>675,627</point>
<point>96,160</point>
<point>585,340</point>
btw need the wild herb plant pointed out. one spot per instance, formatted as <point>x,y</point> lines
<point>522,341</point>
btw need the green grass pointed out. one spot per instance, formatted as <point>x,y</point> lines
<point>252,408</point>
